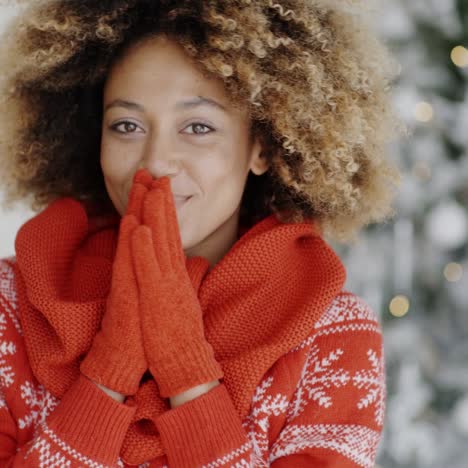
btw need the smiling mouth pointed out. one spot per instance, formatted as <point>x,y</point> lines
<point>181,201</point>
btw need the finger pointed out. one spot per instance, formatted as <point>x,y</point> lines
<point>161,182</point>
<point>141,184</point>
<point>135,200</point>
<point>122,275</point>
<point>154,218</point>
<point>144,177</point>
<point>176,250</point>
<point>146,267</point>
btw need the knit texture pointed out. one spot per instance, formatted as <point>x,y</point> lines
<point>117,358</point>
<point>321,404</point>
<point>178,355</point>
<point>259,301</point>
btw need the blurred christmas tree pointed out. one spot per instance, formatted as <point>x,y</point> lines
<point>414,269</point>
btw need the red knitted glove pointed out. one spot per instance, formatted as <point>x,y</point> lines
<point>178,355</point>
<point>116,358</point>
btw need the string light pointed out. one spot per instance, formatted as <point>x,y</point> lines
<point>423,112</point>
<point>459,56</point>
<point>453,272</point>
<point>399,306</point>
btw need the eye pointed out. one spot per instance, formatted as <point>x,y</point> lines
<point>199,125</point>
<point>127,124</point>
<point>131,126</point>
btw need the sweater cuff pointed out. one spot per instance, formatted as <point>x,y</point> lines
<point>91,422</point>
<point>201,430</point>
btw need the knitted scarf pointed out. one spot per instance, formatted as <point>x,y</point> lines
<point>259,301</point>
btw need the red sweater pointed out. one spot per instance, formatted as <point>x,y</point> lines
<point>322,404</point>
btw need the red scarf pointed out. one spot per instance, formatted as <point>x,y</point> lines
<point>63,273</point>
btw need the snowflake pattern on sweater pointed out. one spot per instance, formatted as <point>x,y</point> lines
<point>321,404</point>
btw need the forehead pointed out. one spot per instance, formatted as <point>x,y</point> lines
<point>160,63</point>
<point>158,70</point>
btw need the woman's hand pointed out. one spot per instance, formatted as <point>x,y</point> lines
<point>116,359</point>
<point>178,355</point>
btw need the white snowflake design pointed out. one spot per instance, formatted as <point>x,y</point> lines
<point>257,423</point>
<point>324,371</point>
<point>7,348</point>
<point>318,375</point>
<point>373,380</point>
<point>6,280</point>
<point>345,309</point>
<point>41,403</point>
<point>357,443</point>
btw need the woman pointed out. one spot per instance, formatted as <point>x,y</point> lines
<point>175,303</point>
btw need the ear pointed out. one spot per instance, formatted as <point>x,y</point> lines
<point>258,162</point>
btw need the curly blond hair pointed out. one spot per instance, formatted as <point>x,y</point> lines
<point>313,74</point>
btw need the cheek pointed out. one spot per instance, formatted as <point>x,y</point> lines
<point>213,178</point>
<point>222,180</point>
<point>225,165</point>
<point>114,180</point>
<point>116,158</point>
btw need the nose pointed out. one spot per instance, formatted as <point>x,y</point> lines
<point>160,160</point>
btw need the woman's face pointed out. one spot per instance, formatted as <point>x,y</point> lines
<point>161,113</point>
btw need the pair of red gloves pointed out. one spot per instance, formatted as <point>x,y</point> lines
<point>153,319</point>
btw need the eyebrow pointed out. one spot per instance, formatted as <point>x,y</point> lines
<point>189,104</point>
